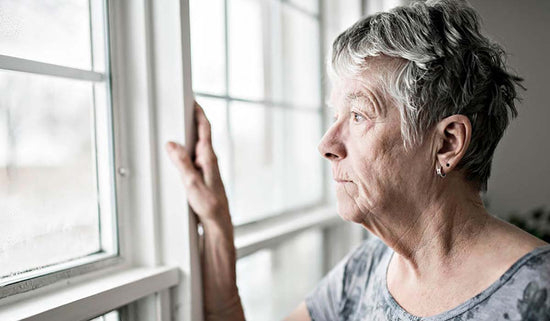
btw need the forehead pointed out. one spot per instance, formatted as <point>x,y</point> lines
<point>363,91</point>
<point>368,84</point>
<point>350,88</point>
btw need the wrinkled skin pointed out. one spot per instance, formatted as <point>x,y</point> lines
<point>364,146</point>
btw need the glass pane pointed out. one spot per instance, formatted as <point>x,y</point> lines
<point>277,166</point>
<point>311,6</point>
<point>48,191</point>
<point>303,176</point>
<point>111,316</point>
<point>300,59</point>
<point>208,46</point>
<point>55,32</point>
<point>273,282</point>
<point>245,49</point>
<point>216,112</point>
<point>258,167</point>
<point>98,18</point>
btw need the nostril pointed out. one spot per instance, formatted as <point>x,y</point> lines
<point>330,155</point>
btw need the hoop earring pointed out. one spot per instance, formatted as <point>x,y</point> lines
<point>440,172</point>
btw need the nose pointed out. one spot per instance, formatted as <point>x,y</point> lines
<point>331,146</point>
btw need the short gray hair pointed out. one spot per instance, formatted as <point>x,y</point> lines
<point>447,67</point>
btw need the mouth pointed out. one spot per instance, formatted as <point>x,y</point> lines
<point>342,181</point>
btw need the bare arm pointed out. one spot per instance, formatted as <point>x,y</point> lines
<point>206,195</point>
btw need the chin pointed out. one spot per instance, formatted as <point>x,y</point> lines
<point>346,207</point>
<point>349,212</point>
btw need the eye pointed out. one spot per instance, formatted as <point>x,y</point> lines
<point>357,117</point>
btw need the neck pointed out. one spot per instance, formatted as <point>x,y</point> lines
<point>434,232</point>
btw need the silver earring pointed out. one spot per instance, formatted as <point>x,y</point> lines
<point>440,172</point>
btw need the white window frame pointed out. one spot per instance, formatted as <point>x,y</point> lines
<point>155,277</point>
<point>38,278</point>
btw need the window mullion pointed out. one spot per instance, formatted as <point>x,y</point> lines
<point>42,68</point>
<point>231,182</point>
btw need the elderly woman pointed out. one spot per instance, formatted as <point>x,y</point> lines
<point>421,100</point>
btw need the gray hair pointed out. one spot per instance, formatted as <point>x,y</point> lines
<point>447,67</point>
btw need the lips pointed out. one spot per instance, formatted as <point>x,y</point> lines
<point>341,180</point>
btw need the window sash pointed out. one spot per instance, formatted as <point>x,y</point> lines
<point>267,34</point>
<point>153,103</point>
<point>104,170</point>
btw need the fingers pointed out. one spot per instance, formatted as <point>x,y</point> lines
<point>203,125</point>
<point>180,158</point>
<point>206,158</point>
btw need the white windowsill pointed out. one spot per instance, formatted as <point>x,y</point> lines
<point>95,297</point>
<point>260,236</point>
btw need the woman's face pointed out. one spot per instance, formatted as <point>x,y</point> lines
<point>374,174</point>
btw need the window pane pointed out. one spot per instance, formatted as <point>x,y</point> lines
<point>273,282</point>
<point>300,59</point>
<point>208,46</point>
<point>303,174</point>
<point>98,18</point>
<point>56,32</point>
<point>257,188</point>
<point>311,6</point>
<point>111,316</point>
<point>48,190</point>
<point>245,49</point>
<point>277,166</point>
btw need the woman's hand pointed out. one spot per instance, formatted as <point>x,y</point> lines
<point>202,180</point>
<point>206,195</point>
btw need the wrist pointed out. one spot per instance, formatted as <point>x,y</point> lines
<point>232,311</point>
<point>221,223</point>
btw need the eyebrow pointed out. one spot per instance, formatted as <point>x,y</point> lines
<point>375,104</point>
<point>355,95</point>
<point>373,99</point>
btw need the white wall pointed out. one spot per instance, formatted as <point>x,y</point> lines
<point>520,178</point>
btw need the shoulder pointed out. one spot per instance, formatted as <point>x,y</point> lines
<point>534,265</point>
<point>534,286</point>
<point>525,287</point>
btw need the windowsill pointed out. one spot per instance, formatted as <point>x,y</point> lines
<point>249,239</point>
<point>94,297</point>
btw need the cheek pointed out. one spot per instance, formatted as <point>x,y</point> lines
<point>378,172</point>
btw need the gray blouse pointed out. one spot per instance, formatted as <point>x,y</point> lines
<point>356,290</point>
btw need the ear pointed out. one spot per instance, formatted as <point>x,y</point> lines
<point>452,136</point>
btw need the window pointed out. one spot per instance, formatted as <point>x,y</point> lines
<point>57,193</point>
<point>111,316</point>
<point>256,71</point>
<point>79,216</point>
<point>282,275</point>
<point>92,217</point>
